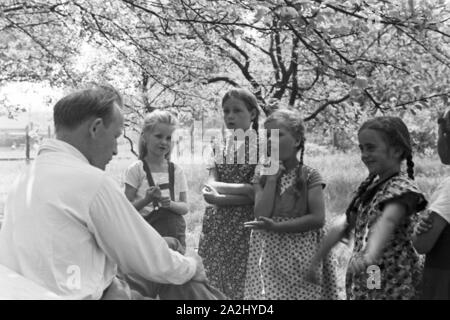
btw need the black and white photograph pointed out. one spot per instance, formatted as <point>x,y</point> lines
<point>245,152</point>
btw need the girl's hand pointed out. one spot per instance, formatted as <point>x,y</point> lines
<point>424,224</point>
<point>209,194</point>
<point>359,263</point>
<point>153,193</point>
<point>274,177</point>
<point>165,202</point>
<point>263,223</point>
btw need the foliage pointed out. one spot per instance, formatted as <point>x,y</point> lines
<point>333,60</point>
<point>337,61</point>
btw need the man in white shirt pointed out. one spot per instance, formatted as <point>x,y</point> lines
<point>69,227</point>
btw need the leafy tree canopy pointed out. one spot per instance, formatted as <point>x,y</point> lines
<point>336,61</point>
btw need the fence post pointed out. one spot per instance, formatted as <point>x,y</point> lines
<point>27,143</point>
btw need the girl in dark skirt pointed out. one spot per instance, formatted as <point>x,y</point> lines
<point>432,233</point>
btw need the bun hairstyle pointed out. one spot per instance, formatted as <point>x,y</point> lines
<point>291,119</point>
<point>150,121</point>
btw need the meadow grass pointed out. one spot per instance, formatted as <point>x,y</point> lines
<point>341,172</point>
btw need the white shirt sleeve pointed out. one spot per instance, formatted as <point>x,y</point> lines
<point>131,242</point>
<point>132,175</point>
<point>440,200</point>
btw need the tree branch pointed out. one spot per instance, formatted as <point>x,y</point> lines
<point>130,142</point>
<point>376,103</point>
<point>224,79</point>
<point>424,99</point>
<point>323,106</point>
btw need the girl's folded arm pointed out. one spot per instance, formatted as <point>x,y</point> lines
<point>232,188</point>
<point>424,242</point>
<point>264,198</point>
<point>232,200</point>
<point>315,219</point>
<point>240,189</point>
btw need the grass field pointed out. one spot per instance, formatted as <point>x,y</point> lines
<point>342,173</point>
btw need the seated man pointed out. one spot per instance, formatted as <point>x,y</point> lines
<point>69,227</point>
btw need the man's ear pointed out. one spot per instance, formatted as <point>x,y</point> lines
<point>95,126</point>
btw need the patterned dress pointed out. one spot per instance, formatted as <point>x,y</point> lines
<point>278,261</point>
<point>400,266</point>
<point>224,242</point>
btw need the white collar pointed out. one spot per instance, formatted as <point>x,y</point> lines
<point>55,145</point>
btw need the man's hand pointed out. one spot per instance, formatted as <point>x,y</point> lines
<point>200,274</point>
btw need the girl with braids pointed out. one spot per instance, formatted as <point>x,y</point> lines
<point>432,234</point>
<point>224,241</point>
<point>290,213</point>
<point>381,217</point>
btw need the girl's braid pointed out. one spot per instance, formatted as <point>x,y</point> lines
<point>410,166</point>
<point>358,195</point>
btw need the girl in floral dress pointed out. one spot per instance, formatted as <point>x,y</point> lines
<point>381,216</point>
<point>290,212</point>
<point>224,241</point>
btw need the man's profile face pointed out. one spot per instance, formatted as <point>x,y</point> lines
<point>105,143</point>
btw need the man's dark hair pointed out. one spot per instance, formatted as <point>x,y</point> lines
<point>96,101</point>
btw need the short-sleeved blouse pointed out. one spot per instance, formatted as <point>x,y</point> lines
<point>290,202</point>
